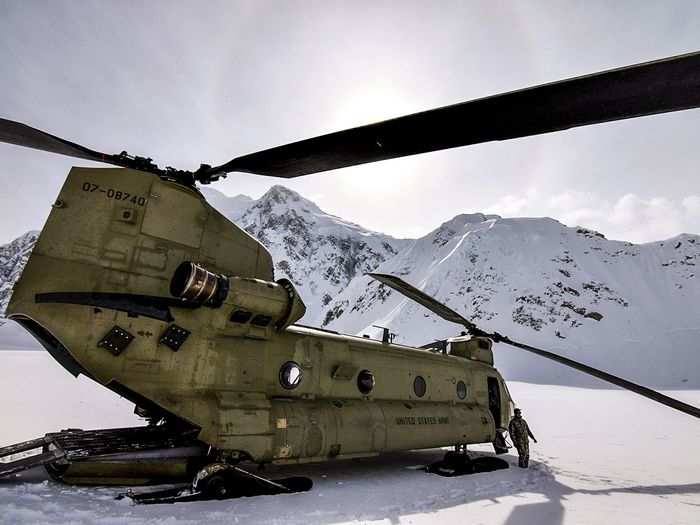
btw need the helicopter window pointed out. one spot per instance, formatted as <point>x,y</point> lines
<point>261,320</point>
<point>365,381</point>
<point>290,375</point>
<point>419,386</point>
<point>240,316</point>
<point>484,345</point>
<point>461,390</point>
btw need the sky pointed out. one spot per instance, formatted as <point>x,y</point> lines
<point>202,82</point>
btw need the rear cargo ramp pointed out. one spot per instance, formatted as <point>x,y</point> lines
<point>121,456</point>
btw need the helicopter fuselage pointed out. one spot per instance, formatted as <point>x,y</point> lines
<point>257,386</point>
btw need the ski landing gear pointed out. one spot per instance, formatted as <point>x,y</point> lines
<point>459,463</point>
<point>218,481</point>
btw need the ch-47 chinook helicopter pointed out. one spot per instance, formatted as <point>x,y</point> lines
<point>139,284</point>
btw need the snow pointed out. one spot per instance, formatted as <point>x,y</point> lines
<point>231,207</point>
<point>629,309</point>
<point>13,336</point>
<point>604,456</point>
<point>42,397</point>
<point>13,257</point>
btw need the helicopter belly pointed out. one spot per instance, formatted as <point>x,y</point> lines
<point>325,429</point>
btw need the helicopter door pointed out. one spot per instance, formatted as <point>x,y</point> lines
<point>494,400</point>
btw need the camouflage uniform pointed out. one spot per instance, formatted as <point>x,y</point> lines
<point>519,432</point>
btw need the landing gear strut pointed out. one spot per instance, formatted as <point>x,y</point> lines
<point>458,462</point>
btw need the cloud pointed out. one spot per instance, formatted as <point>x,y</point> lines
<point>513,205</point>
<point>629,217</point>
<point>647,219</point>
<point>692,206</point>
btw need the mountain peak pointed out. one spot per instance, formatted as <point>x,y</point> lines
<point>471,218</point>
<point>281,194</point>
<point>280,200</point>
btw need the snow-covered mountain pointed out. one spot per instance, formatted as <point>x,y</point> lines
<point>627,308</point>
<point>631,309</point>
<point>13,257</point>
<point>231,207</point>
<point>320,253</point>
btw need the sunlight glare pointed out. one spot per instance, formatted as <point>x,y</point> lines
<point>369,105</point>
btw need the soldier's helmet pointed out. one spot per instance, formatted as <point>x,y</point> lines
<point>517,411</point>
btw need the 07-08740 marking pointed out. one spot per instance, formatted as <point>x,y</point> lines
<point>111,193</point>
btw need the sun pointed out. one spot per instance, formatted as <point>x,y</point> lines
<point>372,104</point>
<point>367,105</point>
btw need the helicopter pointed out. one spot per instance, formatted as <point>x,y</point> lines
<point>139,284</point>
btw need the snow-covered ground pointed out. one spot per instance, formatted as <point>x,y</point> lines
<point>604,456</point>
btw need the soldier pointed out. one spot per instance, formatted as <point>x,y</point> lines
<point>519,432</point>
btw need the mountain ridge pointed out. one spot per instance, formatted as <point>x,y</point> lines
<point>612,304</point>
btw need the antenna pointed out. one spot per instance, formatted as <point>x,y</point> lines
<point>387,336</point>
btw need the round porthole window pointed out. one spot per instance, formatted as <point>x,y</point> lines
<point>365,382</point>
<point>419,386</point>
<point>461,390</point>
<point>290,375</point>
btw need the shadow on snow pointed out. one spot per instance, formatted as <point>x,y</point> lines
<point>387,487</point>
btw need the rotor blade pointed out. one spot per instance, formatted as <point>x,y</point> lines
<point>623,383</point>
<point>670,84</point>
<point>422,298</point>
<point>22,135</point>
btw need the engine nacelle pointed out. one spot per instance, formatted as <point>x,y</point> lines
<point>250,300</point>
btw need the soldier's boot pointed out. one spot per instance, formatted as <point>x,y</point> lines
<point>520,456</point>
